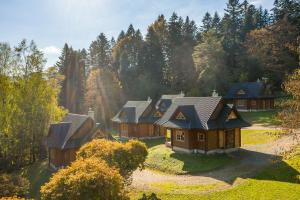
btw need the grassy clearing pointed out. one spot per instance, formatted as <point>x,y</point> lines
<point>254,137</point>
<point>37,174</point>
<point>267,118</point>
<point>279,181</point>
<point>163,159</point>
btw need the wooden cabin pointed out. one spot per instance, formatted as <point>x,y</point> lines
<point>251,96</point>
<point>136,119</point>
<point>202,125</point>
<point>133,120</point>
<point>66,137</point>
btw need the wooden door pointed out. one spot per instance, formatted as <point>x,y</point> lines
<point>229,135</point>
<point>201,140</point>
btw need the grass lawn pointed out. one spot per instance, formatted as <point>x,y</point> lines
<point>163,159</point>
<point>37,174</point>
<point>254,137</point>
<point>266,118</point>
<point>279,181</point>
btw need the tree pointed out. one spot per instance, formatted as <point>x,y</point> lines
<point>85,179</point>
<point>28,105</point>
<point>100,52</point>
<point>231,26</point>
<point>207,22</point>
<point>103,94</point>
<point>209,58</point>
<point>124,157</point>
<point>290,114</point>
<point>72,65</point>
<point>274,48</point>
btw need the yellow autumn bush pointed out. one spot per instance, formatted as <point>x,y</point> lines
<point>88,178</point>
<point>126,157</point>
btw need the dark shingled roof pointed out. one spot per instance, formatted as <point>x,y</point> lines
<point>198,112</point>
<point>251,89</point>
<point>196,109</point>
<point>60,134</point>
<point>165,102</point>
<point>131,112</point>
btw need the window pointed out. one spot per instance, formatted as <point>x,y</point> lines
<point>241,92</point>
<point>232,115</point>
<point>180,116</point>
<point>241,102</point>
<point>180,136</point>
<point>157,114</point>
<point>201,137</point>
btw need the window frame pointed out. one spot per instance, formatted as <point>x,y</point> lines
<point>202,138</point>
<point>180,136</point>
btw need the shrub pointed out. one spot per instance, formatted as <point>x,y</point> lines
<point>85,179</point>
<point>13,185</point>
<point>150,197</point>
<point>125,157</point>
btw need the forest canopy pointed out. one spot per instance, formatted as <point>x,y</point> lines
<point>245,44</point>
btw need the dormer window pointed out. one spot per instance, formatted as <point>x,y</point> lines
<point>157,114</point>
<point>241,92</point>
<point>232,115</point>
<point>180,116</point>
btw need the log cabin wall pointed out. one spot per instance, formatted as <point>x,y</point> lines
<point>178,142</point>
<point>212,140</point>
<point>237,137</point>
<point>62,157</point>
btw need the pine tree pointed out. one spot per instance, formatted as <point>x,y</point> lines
<point>231,25</point>
<point>216,22</point>
<point>100,52</point>
<point>207,22</point>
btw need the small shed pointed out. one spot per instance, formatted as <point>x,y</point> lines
<point>66,137</point>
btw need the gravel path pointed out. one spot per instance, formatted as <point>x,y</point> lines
<point>252,159</point>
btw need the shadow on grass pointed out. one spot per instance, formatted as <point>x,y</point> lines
<point>38,174</point>
<point>153,142</point>
<point>196,163</point>
<point>267,118</point>
<point>251,164</point>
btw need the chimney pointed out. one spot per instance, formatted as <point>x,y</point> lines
<point>91,113</point>
<point>181,93</point>
<point>214,93</point>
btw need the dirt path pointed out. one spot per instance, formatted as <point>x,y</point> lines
<point>252,159</point>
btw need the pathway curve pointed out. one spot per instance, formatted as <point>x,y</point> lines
<point>252,159</point>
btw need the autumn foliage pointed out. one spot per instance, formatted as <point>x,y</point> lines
<point>126,157</point>
<point>85,179</point>
<point>101,171</point>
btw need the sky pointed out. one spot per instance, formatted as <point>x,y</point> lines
<point>51,23</point>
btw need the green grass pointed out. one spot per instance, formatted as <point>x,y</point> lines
<point>37,174</point>
<point>163,159</point>
<point>254,137</point>
<point>267,118</point>
<point>279,181</point>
